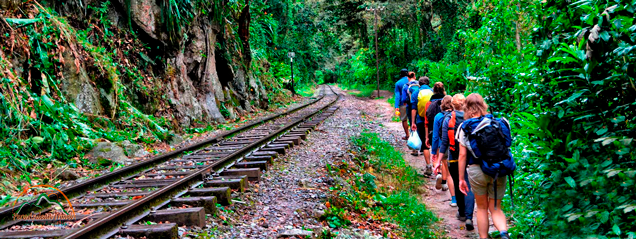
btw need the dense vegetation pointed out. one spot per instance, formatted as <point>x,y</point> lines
<point>57,48</point>
<point>380,187</point>
<point>562,71</point>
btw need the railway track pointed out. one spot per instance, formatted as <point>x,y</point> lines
<point>150,199</point>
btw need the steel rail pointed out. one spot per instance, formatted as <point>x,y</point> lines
<point>85,231</point>
<point>6,213</point>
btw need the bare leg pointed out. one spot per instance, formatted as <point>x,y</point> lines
<point>498,217</point>
<point>427,156</point>
<point>446,176</point>
<point>451,184</point>
<point>482,215</point>
<point>405,124</point>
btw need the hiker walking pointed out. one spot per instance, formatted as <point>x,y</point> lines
<point>407,91</point>
<point>439,155</point>
<point>450,124</point>
<point>484,153</point>
<point>430,111</point>
<point>400,107</point>
<point>419,99</point>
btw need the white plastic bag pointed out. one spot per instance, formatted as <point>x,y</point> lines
<point>414,141</point>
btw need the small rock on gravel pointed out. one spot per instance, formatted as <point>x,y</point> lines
<point>66,174</point>
<point>176,140</point>
<point>104,152</point>
<point>296,233</point>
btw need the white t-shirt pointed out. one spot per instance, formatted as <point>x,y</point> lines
<point>461,136</point>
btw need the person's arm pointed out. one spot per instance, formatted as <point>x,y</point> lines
<point>461,139</point>
<point>396,94</point>
<point>414,110</point>
<point>443,143</point>
<point>436,126</point>
<point>427,141</point>
<point>413,126</point>
<point>463,187</point>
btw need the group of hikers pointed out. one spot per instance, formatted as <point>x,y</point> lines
<point>461,139</point>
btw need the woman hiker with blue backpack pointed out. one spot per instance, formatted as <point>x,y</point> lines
<point>484,153</point>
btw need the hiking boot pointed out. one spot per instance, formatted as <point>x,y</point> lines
<point>429,170</point>
<point>505,235</point>
<point>444,187</point>
<point>469,225</point>
<point>463,219</point>
<point>438,182</point>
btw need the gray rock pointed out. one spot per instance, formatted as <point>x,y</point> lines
<point>296,233</point>
<point>141,153</point>
<point>176,140</point>
<point>182,92</point>
<point>318,213</point>
<point>129,148</point>
<point>77,87</point>
<point>105,151</point>
<point>66,174</point>
<point>306,183</point>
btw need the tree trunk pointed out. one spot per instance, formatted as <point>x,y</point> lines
<point>517,30</point>
<point>244,33</point>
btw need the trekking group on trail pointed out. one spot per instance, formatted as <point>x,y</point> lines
<point>458,137</point>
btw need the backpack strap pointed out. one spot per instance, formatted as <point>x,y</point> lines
<point>511,182</point>
<point>425,109</point>
<point>494,185</point>
<point>451,132</point>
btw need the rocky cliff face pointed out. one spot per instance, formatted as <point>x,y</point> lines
<point>187,76</point>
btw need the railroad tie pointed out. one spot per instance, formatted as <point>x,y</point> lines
<point>253,174</point>
<point>183,217</point>
<point>223,194</point>
<point>164,230</point>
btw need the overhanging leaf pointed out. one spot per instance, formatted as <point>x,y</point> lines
<point>570,181</point>
<point>573,216</point>
<point>616,230</point>
<point>22,22</point>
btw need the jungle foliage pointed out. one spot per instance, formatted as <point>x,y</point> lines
<point>562,71</point>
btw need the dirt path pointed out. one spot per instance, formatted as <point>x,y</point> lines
<point>436,200</point>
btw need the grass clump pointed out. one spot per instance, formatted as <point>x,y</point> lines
<point>306,90</point>
<point>362,90</point>
<point>379,190</point>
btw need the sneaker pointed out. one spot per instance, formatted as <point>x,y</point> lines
<point>438,182</point>
<point>444,187</point>
<point>505,235</point>
<point>415,153</point>
<point>463,219</point>
<point>453,204</point>
<point>429,170</point>
<point>469,225</point>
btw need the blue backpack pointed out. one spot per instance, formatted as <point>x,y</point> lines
<point>490,140</point>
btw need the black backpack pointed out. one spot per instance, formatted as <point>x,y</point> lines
<point>491,142</point>
<point>453,124</point>
<point>434,107</point>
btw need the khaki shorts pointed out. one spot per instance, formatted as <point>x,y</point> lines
<point>403,114</point>
<point>482,184</point>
